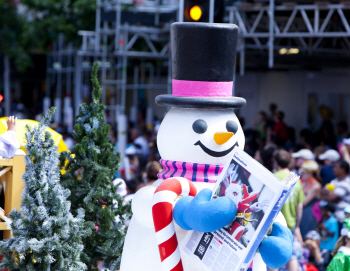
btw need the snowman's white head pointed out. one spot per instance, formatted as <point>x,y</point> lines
<point>234,192</point>
<point>199,135</point>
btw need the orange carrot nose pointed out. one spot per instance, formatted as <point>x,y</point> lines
<point>222,137</point>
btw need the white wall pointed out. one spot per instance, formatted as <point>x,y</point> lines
<point>290,91</point>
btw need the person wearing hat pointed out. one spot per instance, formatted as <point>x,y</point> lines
<point>301,156</point>
<point>318,258</point>
<point>341,192</point>
<point>347,211</point>
<point>329,158</point>
<point>341,260</point>
<point>311,189</point>
<point>329,227</point>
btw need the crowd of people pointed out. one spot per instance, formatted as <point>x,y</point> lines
<point>319,204</point>
<point>318,208</point>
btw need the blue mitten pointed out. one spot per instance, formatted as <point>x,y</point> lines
<point>202,214</point>
<point>277,248</point>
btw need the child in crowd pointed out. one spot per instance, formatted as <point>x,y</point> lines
<point>341,260</point>
<point>328,226</point>
<point>347,211</point>
<point>9,144</point>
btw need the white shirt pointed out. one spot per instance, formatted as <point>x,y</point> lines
<point>142,142</point>
<point>8,144</point>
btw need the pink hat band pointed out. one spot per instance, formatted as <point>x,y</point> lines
<point>184,88</point>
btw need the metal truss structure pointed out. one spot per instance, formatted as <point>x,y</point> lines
<point>127,31</point>
<point>118,37</point>
<point>314,28</point>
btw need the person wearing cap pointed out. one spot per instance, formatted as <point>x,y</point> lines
<point>311,189</point>
<point>328,227</point>
<point>317,257</point>
<point>341,192</point>
<point>347,211</point>
<point>329,158</point>
<point>301,156</point>
<point>341,260</point>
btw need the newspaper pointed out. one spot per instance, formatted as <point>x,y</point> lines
<point>259,196</point>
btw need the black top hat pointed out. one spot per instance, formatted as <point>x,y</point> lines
<point>203,59</point>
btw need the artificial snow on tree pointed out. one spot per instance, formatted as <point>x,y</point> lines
<point>46,236</point>
<point>90,170</point>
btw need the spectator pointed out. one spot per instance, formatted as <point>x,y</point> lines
<point>280,130</point>
<point>131,186</point>
<point>301,156</point>
<point>292,209</point>
<point>271,117</point>
<point>137,162</point>
<point>317,151</point>
<point>327,130</point>
<point>152,170</point>
<point>342,131</point>
<point>265,156</point>
<point>9,144</point>
<point>344,150</point>
<point>341,260</point>
<point>329,158</point>
<point>347,211</point>
<point>307,140</point>
<point>317,257</point>
<point>261,126</point>
<point>341,193</point>
<point>140,141</point>
<point>328,227</point>
<point>311,189</point>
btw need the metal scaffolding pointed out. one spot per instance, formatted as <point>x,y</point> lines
<point>309,28</point>
<point>122,25</point>
<point>114,42</point>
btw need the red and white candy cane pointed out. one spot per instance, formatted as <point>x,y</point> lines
<point>162,210</point>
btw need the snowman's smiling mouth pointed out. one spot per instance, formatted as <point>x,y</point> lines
<point>215,153</point>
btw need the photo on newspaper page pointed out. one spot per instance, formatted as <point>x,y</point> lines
<point>251,197</point>
<point>233,247</point>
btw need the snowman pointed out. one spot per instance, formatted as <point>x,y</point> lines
<point>195,140</point>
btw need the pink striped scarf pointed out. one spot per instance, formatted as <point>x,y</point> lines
<point>192,171</point>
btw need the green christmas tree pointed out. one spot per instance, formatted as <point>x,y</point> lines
<point>90,170</point>
<point>46,236</point>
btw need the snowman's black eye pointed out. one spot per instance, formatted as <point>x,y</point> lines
<point>199,126</point>
<point>231,126</point>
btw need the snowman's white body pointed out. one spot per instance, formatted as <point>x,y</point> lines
<point>176,142</point>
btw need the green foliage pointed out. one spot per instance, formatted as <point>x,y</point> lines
<point>39,25</point>
<point>13,27</point>
<point>45,234</point>
<point>53,17</point>
<point>96,162</point>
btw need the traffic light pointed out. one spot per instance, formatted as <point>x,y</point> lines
<point>198,10</point>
